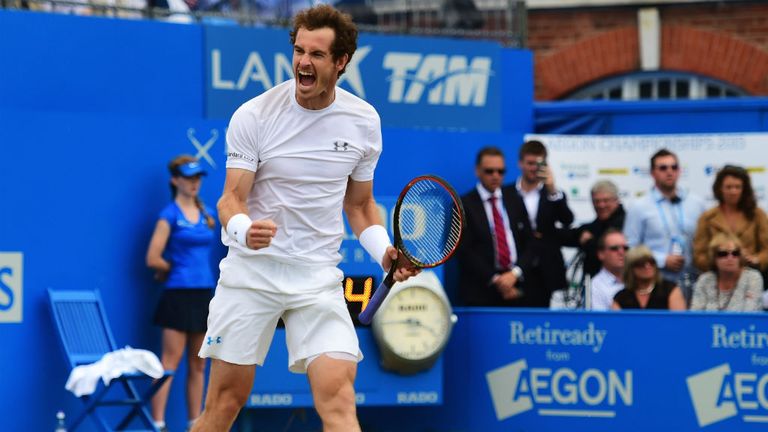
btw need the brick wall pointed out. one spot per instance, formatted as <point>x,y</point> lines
<point>573,48</point>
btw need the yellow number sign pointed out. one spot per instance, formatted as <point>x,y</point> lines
<point>364,297</point>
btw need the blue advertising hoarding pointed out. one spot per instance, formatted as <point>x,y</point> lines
<point>275,387</point>
<point>544,370</point>
<point>413,82</point>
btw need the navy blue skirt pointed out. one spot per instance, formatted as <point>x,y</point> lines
<point>184,309</point>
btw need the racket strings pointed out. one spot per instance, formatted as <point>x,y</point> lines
<point>430,223</point>
<point>454,235</point>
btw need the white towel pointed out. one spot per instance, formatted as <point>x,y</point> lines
<point>84,379</point>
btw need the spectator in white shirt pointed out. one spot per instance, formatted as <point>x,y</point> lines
<point>611,250</point>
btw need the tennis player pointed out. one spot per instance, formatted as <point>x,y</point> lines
<point>297,155</point>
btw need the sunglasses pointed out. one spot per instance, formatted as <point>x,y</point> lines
<point>616,248</point>
<point>643,263</point>
<point>490,171</point>
<point>673,167</point>
<point>724,253</point>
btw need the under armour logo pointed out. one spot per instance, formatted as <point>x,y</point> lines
<point>340,145</point>
<point>212,340</point>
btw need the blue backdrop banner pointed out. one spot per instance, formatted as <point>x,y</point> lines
<point>67,63</point>
<point>412,82</point>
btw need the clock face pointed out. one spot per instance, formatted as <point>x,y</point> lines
<point>415,323</point>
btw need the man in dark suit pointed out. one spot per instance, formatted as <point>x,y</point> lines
<point>541,211</point>
<point>609,214</point>
<point>487,255</point>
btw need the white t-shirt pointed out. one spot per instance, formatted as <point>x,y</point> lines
<point>302,159</point>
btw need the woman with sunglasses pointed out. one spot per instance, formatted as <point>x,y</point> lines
<point>644,287</point>
<point>737,214</point>
<point>729,285</point>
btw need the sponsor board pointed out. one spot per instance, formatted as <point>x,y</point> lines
<point>412,82</point>
<point>11,287</point>
<point>623,370</point>
<point>579,161</point>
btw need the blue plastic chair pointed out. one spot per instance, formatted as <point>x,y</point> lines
<point>85,337</point>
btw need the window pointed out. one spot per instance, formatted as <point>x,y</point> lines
<point>656,86</point>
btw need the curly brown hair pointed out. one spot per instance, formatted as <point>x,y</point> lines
<point>322,16</point>
<point>747,202</point>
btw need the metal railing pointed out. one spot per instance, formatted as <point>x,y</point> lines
<point>504,21</point>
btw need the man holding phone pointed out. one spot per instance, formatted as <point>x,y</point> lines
<point>541,212</point>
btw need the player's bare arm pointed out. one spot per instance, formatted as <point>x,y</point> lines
<point>360,206</point>
<point>237,186</point>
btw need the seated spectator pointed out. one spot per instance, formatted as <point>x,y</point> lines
<point>611,251</point>
<point>609,214</point>
<point>728,285</point>
<point>644,287</point>
<point>737,213</point>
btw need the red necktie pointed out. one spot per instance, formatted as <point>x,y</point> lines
<point>502,248</point>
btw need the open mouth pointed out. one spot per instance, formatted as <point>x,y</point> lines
<point>306,78</point>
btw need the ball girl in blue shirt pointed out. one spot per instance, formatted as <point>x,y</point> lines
<point>180,252</point>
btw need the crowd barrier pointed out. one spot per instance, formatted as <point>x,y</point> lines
<point>590,371</point>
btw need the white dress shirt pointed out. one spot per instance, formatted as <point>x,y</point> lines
<point>604,286</point>
<point>485,196</point>
<point>531,199</point>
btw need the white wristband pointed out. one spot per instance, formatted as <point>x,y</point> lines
<point>375,241</point>
<point>238,227</point>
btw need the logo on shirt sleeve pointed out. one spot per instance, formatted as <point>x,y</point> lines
<point>236,155</point>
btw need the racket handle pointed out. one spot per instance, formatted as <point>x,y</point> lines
<point>366,316</point>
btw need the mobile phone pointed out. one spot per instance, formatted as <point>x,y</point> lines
<point>541,165</point>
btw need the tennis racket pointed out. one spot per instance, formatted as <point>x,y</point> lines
<point>427,224</point>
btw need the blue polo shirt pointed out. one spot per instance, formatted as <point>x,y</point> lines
<point>654,221</point>
<point>188,249</point>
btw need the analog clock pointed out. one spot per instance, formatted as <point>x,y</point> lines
<point>413,324</point>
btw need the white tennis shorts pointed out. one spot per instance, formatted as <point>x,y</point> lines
<point>255,291</point>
